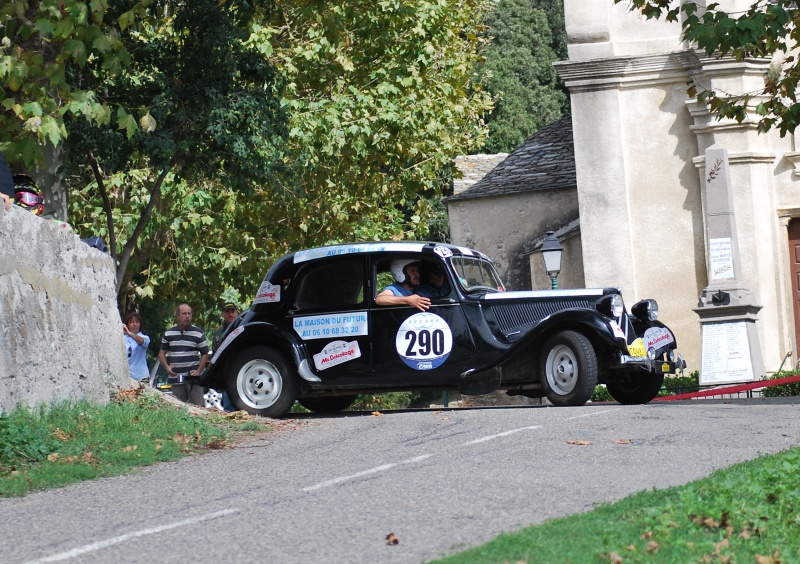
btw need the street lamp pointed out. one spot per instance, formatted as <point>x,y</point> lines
<point>551,252</point>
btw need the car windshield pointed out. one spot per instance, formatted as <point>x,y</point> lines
<point>477,274</point>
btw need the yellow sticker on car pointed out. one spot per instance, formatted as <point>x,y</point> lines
<point>665,367</point>
<point>636,349</point>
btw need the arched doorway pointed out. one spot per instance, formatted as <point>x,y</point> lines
<point>794,265</point>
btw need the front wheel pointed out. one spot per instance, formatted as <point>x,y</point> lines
<point>568,369</point>
<point>261,383</point>
<point>634,388</point>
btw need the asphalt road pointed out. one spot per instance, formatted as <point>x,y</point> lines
<point>332,489</point>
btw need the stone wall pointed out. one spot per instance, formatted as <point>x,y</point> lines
<point>473,168</point>
<point>60,330</point>
<point>506,227</point>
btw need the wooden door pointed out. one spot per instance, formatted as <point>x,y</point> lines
<point>794,261</point>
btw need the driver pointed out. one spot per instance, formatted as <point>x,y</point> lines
<point>406,274</point>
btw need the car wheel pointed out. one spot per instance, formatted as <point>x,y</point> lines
<point>569,369</point>
<point>634,388</point>
<point>332,404</point>
<point>213,399</point>
<point>261,383</point>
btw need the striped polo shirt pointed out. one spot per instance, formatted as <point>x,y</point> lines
<point>184,348</point>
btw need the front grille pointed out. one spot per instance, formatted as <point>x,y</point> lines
<point>512,316</point>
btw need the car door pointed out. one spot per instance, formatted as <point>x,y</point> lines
<point>328,312</point>
<point>416,348</point>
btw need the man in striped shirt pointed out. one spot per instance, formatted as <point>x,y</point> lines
<point>184,350</point>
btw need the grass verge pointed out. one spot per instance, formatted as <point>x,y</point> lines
<point>749,512</point>
<point>69,442</point>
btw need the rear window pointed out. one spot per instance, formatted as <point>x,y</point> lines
<point>331,285</point>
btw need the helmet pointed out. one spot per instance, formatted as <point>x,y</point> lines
<point>27,194</point>
<point>398,269</point>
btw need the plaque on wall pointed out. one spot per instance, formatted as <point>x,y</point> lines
<point>720,258</point>
<point>726,353</point>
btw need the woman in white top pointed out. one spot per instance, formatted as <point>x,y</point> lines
<point>136,344</point>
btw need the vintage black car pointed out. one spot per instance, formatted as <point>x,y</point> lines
<point>315,334</point>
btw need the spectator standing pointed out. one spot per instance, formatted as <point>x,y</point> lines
<point>184,350</point>
<point>27,194</point>
<point>136,344</point>
<point>230,311</point>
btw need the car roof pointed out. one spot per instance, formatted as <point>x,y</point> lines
<point>441,249</point>
<point>289,263</point>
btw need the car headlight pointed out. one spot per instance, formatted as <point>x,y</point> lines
<point>611,305</point>
<point>646,310</point>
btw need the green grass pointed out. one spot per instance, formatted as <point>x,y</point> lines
<point>747,513</point>
<point>63,443</point>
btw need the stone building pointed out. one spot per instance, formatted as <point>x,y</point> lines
<point>506,213</point>
<point>639,180</point>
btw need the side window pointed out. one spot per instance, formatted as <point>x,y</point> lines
<point>384,277</point>
<point>331,285</point>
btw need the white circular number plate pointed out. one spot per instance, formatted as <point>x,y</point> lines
<point>424,341</point>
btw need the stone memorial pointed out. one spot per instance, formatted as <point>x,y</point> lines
<point>730,350</point>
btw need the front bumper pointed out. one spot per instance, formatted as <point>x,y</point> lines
<point>652,365</point>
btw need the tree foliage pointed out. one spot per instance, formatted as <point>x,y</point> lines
<point>378,97</point>
<point>382,97</point>
<point>40,41</point>
<point>208,107</point>
<point>766,29</point>
<point>527,36</point>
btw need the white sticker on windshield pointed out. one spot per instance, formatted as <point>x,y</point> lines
<point>267,293</point>
<point>348,324</point>
<point>335,353</point>
<point>424,341</point>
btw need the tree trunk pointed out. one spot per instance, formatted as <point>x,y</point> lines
<point>50,181</point>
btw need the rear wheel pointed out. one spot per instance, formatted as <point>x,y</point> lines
<point>568,369</point>
<point>260,382</point>
<point>633,388</point>
<point>332,404</point>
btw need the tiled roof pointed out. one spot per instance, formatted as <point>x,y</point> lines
<point>545,161</point>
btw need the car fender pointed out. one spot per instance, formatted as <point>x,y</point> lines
<point>253,334</point>
<point>595,326</point>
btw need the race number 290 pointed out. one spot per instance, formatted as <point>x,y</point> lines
<point>424,341</point>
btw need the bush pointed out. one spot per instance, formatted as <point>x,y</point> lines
<point>672,385</point>
<point>601,393</point>
<point>24,436</point>
<point>782,390</point>
<point>389,400</point>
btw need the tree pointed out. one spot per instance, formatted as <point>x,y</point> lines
<point>527,36</point>
<point>208,107</point>
<point>379,97</point>
<point>767,29</point>
<point>382,96</point>
<point>40,42</point>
